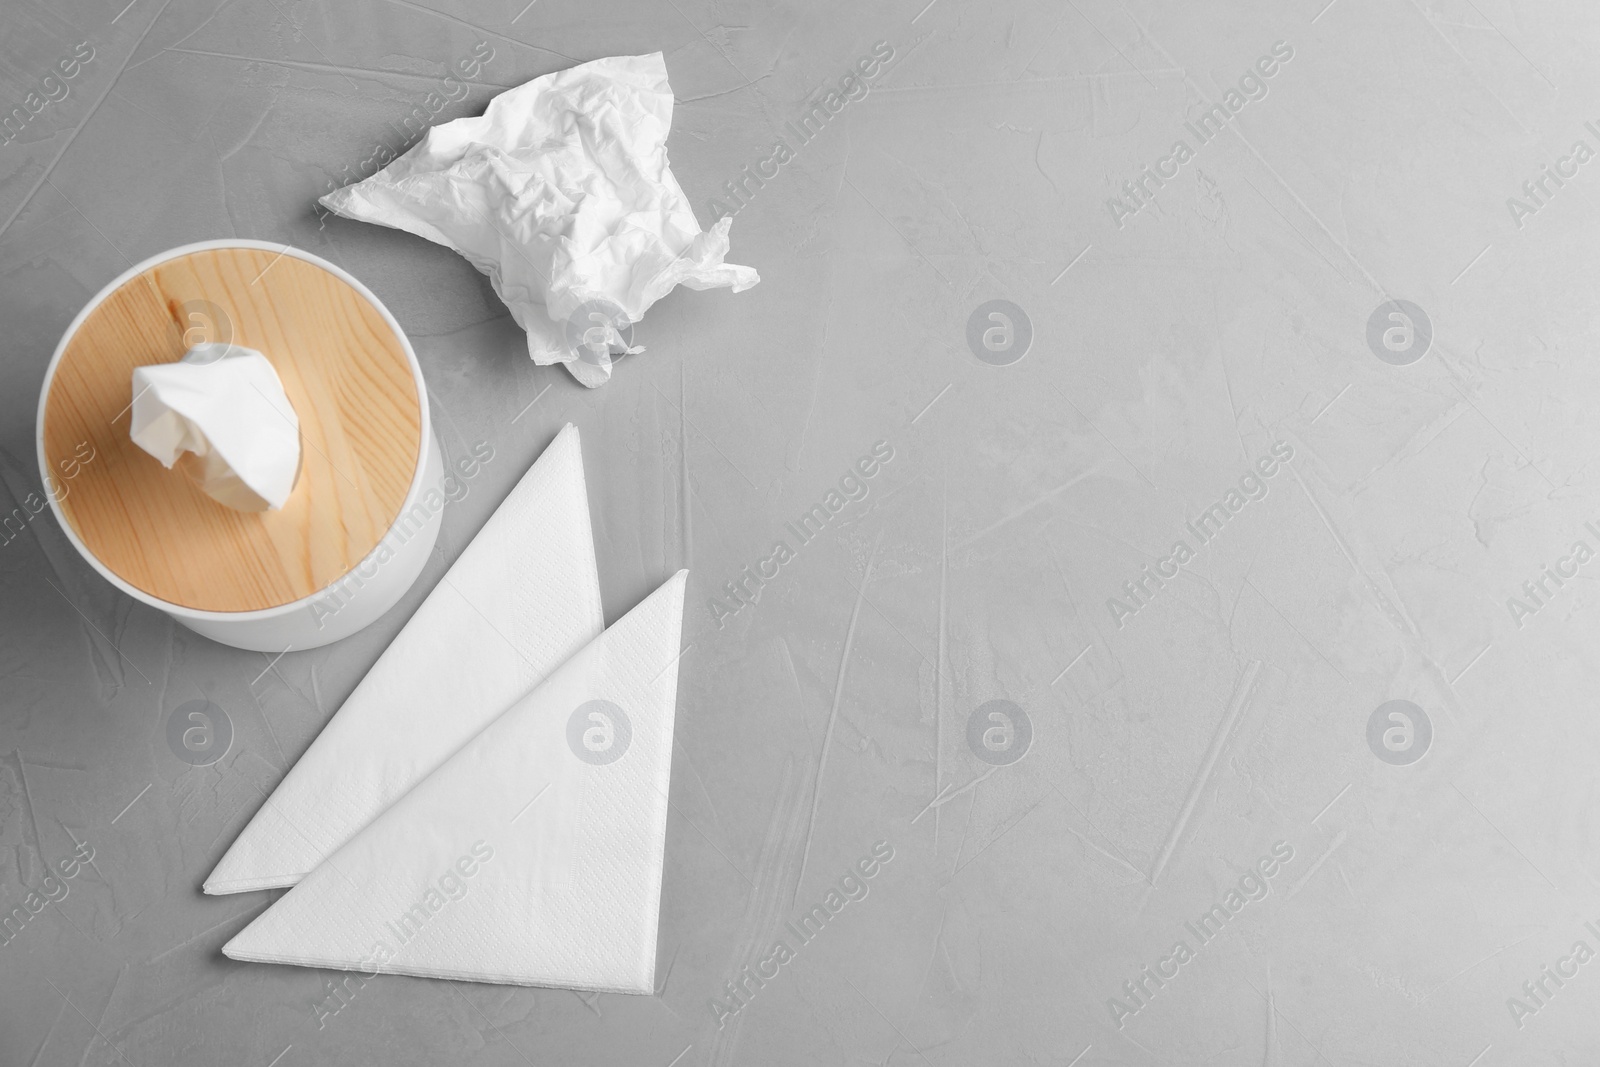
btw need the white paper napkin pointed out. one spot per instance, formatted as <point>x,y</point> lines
<point>225,404</point>
<point>533,856</point>
<point>561,193</point>
<point>521,599</point>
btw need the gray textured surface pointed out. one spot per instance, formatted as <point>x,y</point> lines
<point>1168,754</point>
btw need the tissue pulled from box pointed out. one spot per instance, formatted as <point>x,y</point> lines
<point>561,193</point>
<point>224,406</point>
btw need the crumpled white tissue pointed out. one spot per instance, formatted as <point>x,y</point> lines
<point>224,404</point>
<point>562,195</point>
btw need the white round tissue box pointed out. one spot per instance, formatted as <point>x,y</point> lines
<point>363,517</point>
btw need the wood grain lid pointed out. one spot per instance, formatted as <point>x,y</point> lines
<point>348,372</point>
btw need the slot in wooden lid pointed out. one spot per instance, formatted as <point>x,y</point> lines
<point>345,370</point>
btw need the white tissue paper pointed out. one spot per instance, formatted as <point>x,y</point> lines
<point>533,856</point>
<point>224,404</point>
<point>561,194</point>
<point>521,599</point>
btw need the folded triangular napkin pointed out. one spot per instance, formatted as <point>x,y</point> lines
<point>521,599</point>
<point>532,856</point>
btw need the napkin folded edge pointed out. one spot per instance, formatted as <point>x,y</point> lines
<point>219,887</point>
<point>675,587</point>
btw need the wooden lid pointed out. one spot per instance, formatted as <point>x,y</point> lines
<point>345,369</point>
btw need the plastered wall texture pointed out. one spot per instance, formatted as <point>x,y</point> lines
<point>1214,660</point>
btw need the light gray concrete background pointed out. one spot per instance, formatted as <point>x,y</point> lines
<point>1175,340</point>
